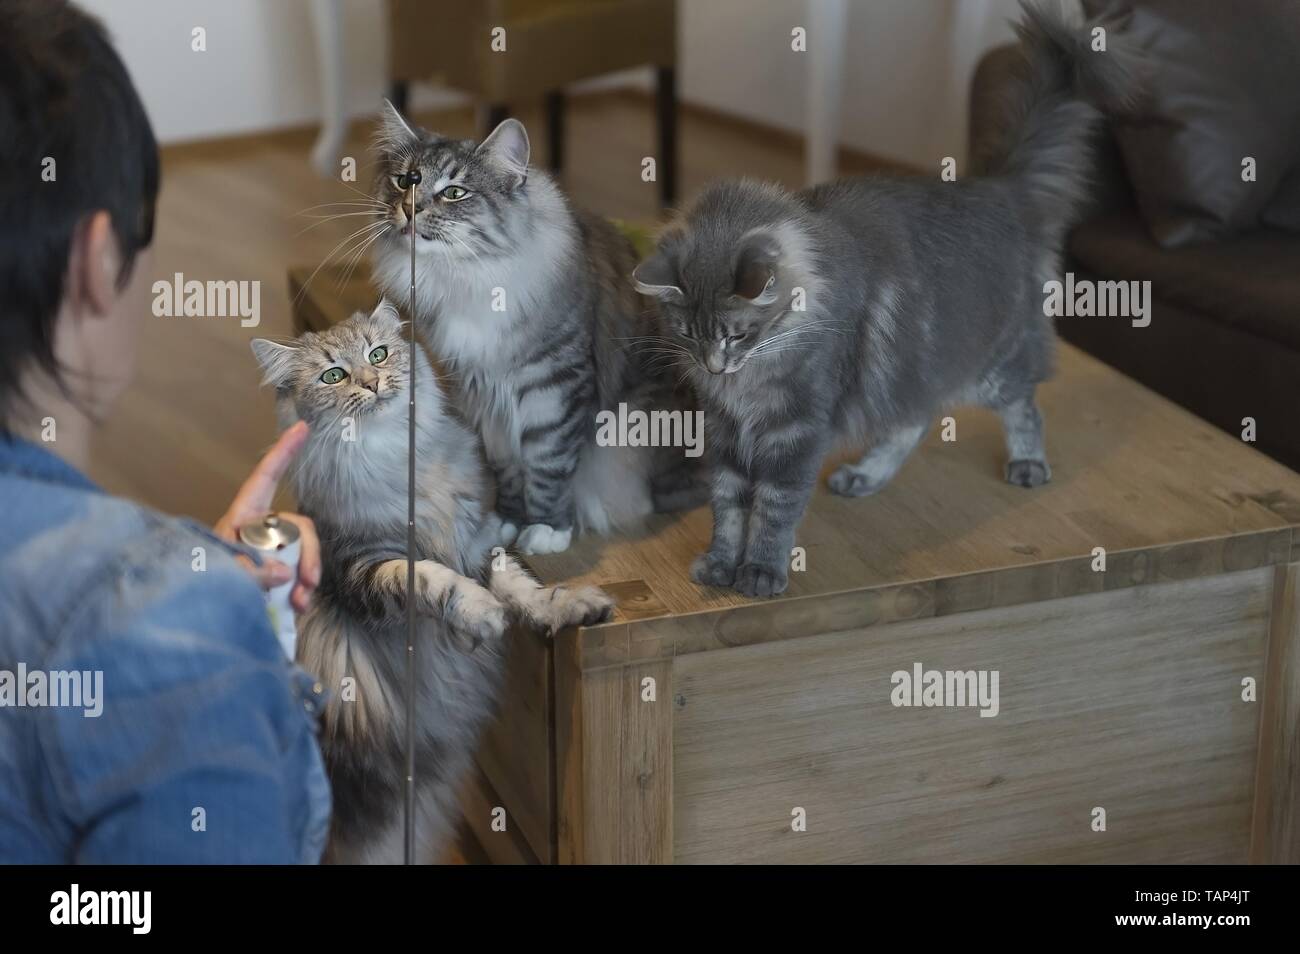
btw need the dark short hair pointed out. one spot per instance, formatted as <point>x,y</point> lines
<point>65,95</point>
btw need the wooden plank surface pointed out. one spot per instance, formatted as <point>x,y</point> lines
<point>515,754</point>
<point>489,845</point>
<point>1128,701</point>
<point>1276,835</point>
<point>614,759</point>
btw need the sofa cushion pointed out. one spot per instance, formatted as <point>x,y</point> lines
<point>1252,280</point>
<point>1222,83</point>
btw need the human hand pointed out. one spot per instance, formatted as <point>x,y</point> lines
<point>253,502</point>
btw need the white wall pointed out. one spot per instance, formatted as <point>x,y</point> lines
<point>259,71</point>
<point>907,65</point>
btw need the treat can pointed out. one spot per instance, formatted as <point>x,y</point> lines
<point>278,539</point>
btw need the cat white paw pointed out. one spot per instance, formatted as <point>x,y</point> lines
<point>540,538</point>
<point>507,533</point>
<point>552,608</point>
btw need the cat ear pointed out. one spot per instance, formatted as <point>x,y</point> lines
<point>393,129</point>
<point>276,359</point>
<point>507,146</point>
<point>755,271</point>
<point>657,277</point>
<point>386,315</point>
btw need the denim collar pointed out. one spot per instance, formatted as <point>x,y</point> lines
<point>25,459</point>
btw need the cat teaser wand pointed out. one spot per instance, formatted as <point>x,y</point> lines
<point>409,180</point>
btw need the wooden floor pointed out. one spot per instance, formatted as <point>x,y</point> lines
<point>195,421</point>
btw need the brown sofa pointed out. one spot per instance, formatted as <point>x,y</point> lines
<point>1224,338</point>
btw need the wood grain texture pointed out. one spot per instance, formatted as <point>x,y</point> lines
<point>516,753</point>
<point>615,767</point>
<point>1276,833</point>
<point>1128,701</point>
<point>480,842</point>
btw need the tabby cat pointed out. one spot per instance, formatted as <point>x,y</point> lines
<point>525,297</point>
<point>350,383</point>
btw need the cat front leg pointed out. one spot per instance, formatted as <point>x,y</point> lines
<point>472,614</point>
<point>548,608</point>
<point>779,493</point>
<point>728,496</point>
<point>510,503</point>
<point>550,462</point>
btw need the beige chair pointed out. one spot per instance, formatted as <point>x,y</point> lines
<point>548,45</point>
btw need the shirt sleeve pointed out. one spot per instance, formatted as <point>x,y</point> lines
<point>197,746</point>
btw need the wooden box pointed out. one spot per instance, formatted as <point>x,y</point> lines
<point>1163,690</point>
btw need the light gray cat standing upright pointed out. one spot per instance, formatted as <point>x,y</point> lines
<point>350,384</point>
<point>525,297</point>
<point>916,295</point>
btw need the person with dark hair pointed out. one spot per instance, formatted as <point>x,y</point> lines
<point>147,711</point>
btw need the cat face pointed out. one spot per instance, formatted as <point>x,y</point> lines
<point>720,311</point>
<point>359,367</point>
<point>465,188</point>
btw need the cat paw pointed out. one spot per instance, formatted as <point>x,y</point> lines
<point>507,532</point>
<point>848,481</point>
<point>1028,473</point>
<point>474,616</point>
<point>710,570</point>
<point>541,538</point>
<point>753,579</point>
<point>559,606</point>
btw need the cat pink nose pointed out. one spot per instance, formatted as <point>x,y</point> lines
<point>372,386</point>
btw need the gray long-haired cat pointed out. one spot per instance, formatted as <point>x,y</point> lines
<point>350,384</point>
<point>916,295</point>
<point>526,299</point>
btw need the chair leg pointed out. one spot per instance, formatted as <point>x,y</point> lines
<point>666,109</point>
<point>555,128</point>
<point>399,95</point>
<point>497,113</point>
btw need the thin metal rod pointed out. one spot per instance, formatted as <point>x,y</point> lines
<point>410,568</point>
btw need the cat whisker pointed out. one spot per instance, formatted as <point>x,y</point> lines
<point>363,231</point>
<point>463,244</point>
<point>355,256</point>
<point>364,195</point>
<point>371,204</point>
<point>330,218</point>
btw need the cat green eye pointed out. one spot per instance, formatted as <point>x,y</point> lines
<point>333,375</point>
<point>453,193</point>
<point>378,355</point>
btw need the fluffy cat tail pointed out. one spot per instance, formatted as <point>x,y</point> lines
<point>1070,77</point>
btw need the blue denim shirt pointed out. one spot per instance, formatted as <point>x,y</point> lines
<point>204,745</point>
